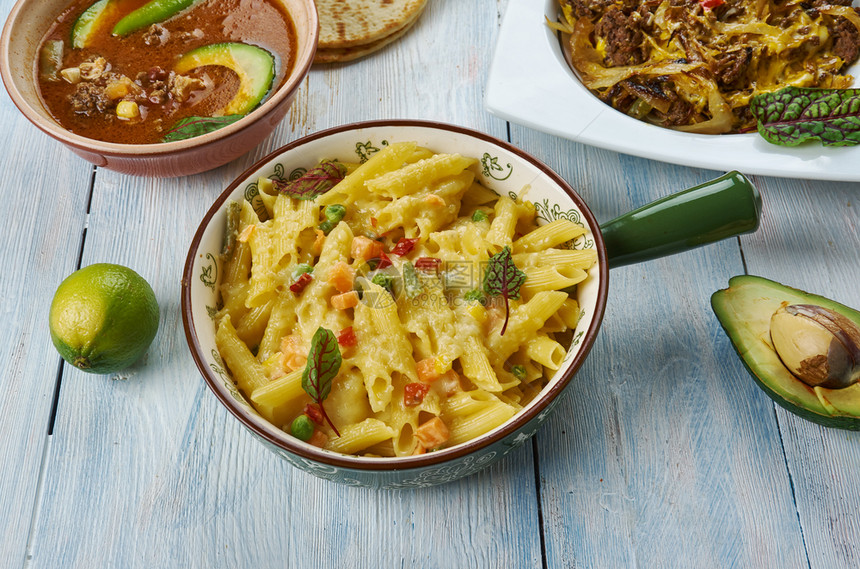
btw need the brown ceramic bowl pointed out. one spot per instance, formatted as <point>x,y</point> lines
<point>28,22</point>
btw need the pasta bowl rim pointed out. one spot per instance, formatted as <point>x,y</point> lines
<point>290,444</point>
<point>262,119</point>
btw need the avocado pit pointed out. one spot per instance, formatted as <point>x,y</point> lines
<point>818,346</point>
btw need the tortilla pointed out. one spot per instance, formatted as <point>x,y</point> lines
<point>350,23</point>
<point>341,55</point>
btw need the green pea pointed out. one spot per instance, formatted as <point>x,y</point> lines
<point>334,212</point>
<point>301,269</point>
<point>333,215</point>
<point>302,428</point>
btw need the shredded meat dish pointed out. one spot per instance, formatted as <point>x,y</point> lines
<point>694,65</point>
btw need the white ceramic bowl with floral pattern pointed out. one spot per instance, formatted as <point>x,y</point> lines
<point>504,169</point>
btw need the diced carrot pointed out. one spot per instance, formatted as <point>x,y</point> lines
<point>344,300</point>
<point>427,370</point>
<point>364,249</point>
<point>318,242</point>
<point>346,337</point>
<point>294,352</point>
<point>432,433</point>
<point>341,276</point>
<point>318,439</point>
<point>414,393</point>
<point>448,383</point>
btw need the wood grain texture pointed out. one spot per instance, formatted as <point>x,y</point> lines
<point>663,454</point>
<point>44,189</point>
<point>150,470</point>
<point>810,240</point>
<point>662,447</point>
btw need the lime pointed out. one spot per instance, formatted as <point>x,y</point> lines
<point>103,318</point>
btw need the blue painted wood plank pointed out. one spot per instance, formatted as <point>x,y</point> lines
<point>44,189</point>
<point>663,455</point>
<point>810,240</point>
<point>150,470</point>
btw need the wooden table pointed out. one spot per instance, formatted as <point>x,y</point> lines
<point>664,454</point>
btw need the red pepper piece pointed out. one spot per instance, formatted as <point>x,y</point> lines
<point>711,4</point>
<point>413,393</point>
<point>404,246</point>
<point>346,337</point>
<point>384,261</point>
<point>301,283</point>
<point>313,411</point>
<point>428,264</point>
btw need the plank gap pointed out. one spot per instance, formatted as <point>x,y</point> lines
<point>539,501</point>
<point>37,503</point>
<point>52,416</point>
<point>55,402</point>
<point>743,257</point>
<point>791,484</point>
<point>90,191</point>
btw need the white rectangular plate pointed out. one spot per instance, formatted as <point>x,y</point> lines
<point>531,84</point>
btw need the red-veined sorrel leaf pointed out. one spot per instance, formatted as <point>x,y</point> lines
<point>314,182</point>
<point>793,115</point>
<point>504,279</point>
<point>322,367</point>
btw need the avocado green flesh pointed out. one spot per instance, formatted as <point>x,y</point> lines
<point>744,310</point>
<point>254,66</point>
<point>150,13</point>
<point>88,21</point>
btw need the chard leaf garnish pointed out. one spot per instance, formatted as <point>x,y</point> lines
<point>504,279</point>
<point>322,367</point>
<point>314,182</point>
<point>793,115</point>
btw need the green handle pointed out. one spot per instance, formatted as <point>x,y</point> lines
<point>724,207</point>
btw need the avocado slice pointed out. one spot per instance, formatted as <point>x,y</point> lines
<point>744,311</point>
<point>89,20</point>
<point>148,14</point>
<point>254,65</point>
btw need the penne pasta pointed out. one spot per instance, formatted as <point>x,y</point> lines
<point>393,261</point>
<point>553,233</point>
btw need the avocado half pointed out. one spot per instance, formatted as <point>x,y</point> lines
<point>744,310</point>
<point>254,66</point>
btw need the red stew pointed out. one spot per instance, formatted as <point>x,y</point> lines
<point>137,68</point>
